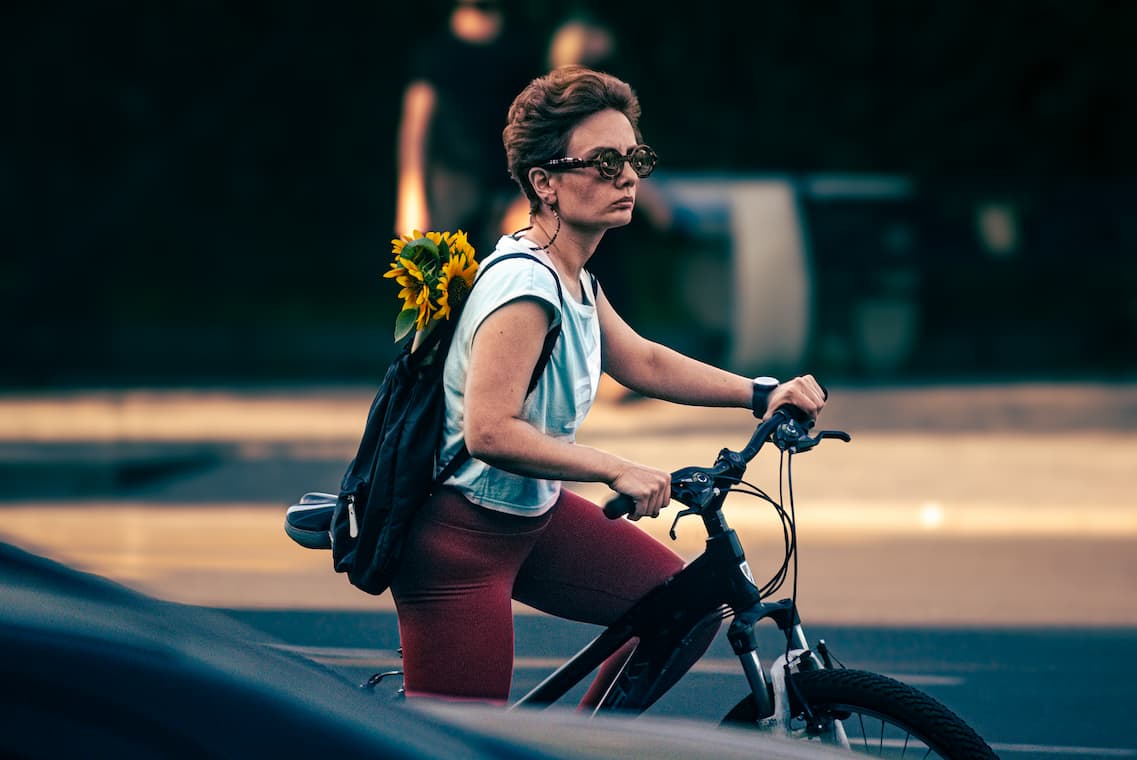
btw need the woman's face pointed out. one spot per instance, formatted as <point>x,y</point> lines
<point>584,198</point>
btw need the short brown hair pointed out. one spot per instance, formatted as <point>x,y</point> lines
<point>547,110</point>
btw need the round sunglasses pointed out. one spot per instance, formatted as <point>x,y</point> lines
<point>609,162</point>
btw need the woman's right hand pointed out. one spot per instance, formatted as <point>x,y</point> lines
<point>648,487</point>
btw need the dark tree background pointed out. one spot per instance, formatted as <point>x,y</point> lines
<point>200,191</point>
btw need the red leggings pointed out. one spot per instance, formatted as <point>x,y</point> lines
<point>463,564</point>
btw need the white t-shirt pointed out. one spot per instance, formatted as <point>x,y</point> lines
<point>563,395</point>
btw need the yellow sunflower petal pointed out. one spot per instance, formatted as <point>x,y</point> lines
<point>411,267</point>
<point>461,243</point>
<point>443,308</point>
<point>423,315</point>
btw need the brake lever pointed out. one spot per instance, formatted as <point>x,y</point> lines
<point>693,487</point>
<point>805,443</point>
<point>675,522</point>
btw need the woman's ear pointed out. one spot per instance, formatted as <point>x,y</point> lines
<point>541,181</point>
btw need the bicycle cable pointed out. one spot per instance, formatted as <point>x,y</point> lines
<point>789,533</point>
<point>786,481</point>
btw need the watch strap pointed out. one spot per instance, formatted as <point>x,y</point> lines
<point>759,402</point>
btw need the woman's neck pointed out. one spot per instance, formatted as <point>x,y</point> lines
<point>568,246</point>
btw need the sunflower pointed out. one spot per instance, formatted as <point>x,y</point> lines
<point>458,243</point>
<point>435,270</point>
<point>398,267</point>
<point>454,282</point>
<point>407,274</point>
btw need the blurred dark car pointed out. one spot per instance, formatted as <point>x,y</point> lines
<point>92,669</point>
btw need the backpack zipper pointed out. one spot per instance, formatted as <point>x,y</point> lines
<point>352,524</point>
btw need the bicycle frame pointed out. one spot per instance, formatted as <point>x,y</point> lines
<point>697,595</point>
<point>669,614</point>
<point>718,578</point>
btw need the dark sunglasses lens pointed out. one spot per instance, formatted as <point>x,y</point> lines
<point>609,163</point>
<point>643,160</point>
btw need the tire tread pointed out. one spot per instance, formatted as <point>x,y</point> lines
<point>900,703</point>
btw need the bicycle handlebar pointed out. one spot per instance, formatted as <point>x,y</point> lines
<point>788,425</point>
<point>618,506</point>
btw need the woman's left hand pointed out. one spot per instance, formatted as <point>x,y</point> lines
<point>804,392</point>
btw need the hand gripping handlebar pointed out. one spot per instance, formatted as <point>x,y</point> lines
<point>788,427</point>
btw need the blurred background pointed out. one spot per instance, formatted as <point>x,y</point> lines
<point>204,193</point>
<point>932,206</point>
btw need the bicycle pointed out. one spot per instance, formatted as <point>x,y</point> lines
<point>804,696</point>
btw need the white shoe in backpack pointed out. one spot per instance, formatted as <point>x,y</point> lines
<point>308,521</point>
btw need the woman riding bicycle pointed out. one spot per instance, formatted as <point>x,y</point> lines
<point>503,528</point>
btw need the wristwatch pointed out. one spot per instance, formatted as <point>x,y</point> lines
<point>763,386</point>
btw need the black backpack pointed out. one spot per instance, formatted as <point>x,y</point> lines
<point>392,473</point>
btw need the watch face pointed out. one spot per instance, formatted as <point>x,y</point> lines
<point>765,381</point>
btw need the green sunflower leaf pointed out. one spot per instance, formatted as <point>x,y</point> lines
<point>421,250</point>
<point>405,323</point>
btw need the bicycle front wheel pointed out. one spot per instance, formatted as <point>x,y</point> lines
<point>881,716</point>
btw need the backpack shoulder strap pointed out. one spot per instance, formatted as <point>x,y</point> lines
<point>554,332</point>
<point>531,257</point>
<point>551,337</point>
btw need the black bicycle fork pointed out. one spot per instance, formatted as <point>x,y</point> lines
<point>669,618</point>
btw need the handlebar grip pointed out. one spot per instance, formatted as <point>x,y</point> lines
<point>793,411</point>
<point>619,506</point>
<point>797,413</point>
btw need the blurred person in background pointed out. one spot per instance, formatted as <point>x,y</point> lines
<point>503,527</point>
<point>450,156</point>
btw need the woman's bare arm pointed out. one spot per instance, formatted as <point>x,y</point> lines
<point>505,350</point>
<point>660,372</point>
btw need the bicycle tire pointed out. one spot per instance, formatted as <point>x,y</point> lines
<point>852,695</point>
